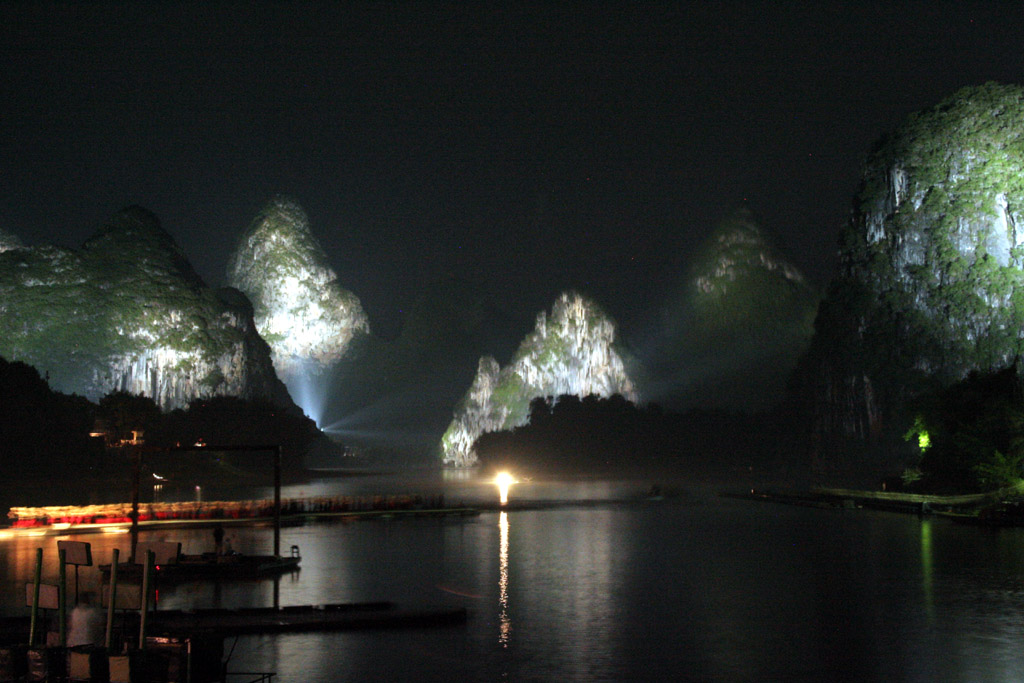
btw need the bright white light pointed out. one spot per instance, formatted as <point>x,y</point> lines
<point>504,480</point>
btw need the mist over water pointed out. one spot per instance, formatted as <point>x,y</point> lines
<point>616,586</point>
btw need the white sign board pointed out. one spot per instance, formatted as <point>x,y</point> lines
<point>76,552</point>
<point>49,596</point>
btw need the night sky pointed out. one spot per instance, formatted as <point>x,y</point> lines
<point>526,149</point>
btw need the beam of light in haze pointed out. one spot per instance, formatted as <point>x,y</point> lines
<point>376,424</point>
<point>389,437</point>
<point>311,392</point>
<point>380,410</point>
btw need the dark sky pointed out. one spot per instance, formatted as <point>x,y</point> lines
<point>529,148</point>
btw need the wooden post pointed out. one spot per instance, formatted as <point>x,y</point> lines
<point>136,467</point>
<point>35,597</point>
<point>144,603</point>
<point>62,598</point>
<point>113,598</point>
<point>277,501</point>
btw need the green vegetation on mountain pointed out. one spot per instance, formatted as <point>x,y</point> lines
<point>737,324</point>
<point>572,351</point>
<point>128,312</point>
<point>931,285</point>
<point>299,307</point>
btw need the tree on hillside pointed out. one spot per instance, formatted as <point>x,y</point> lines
<point>971,435</point>
<point>41,430</point>
<point>128,414</point>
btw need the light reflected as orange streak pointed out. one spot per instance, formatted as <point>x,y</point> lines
<point>504,621</point>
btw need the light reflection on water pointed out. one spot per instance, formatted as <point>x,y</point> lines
<point>506,623</point>
<point>693,587</point>
<point>926,569</point>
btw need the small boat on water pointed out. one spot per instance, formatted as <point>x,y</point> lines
<point>213,566</point>
<point>1007,513</point>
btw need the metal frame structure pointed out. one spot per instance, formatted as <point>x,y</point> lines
<point>274,450</point>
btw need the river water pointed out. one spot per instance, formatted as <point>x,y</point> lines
<point>692,586</point>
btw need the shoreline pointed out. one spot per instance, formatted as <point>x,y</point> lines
<point>960,506</point>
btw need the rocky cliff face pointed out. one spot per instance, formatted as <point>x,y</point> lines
<point>570,351</point>
<point>127,312</point>
<point>301,310</point>
<point>931,284</point>
<point>738,324</point>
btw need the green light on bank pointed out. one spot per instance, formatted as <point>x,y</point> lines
<point>924,441</point>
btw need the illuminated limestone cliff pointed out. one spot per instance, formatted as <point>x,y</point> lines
<point>930,284</point>
<point>301,310</point>
<point>127,312</point>
<point>737,325</point>
<point>570,351</point>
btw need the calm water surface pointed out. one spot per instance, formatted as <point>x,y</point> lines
<point>691,587</point>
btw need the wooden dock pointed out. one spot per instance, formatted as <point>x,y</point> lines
<point>339,617</point>
<point>230,622</point>
<point>893,501</point>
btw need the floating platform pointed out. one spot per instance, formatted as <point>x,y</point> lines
<point>338,617</point>
<point>954,506</point>
<point>211,566</point>
<point>229,622</point>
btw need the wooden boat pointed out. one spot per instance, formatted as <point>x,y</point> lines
<point>1008,513</point>
<point>213,566</point>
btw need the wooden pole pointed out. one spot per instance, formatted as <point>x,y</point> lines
<point>136,467</point>
<point>62,598</point>
<point>144,605</point>
<point>277,501</point>
<point>35,597</point>
<point>113,598</point>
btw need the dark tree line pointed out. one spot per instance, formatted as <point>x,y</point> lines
<point>970,435</point>
<point>569,435</point>
<point>43,432</point>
